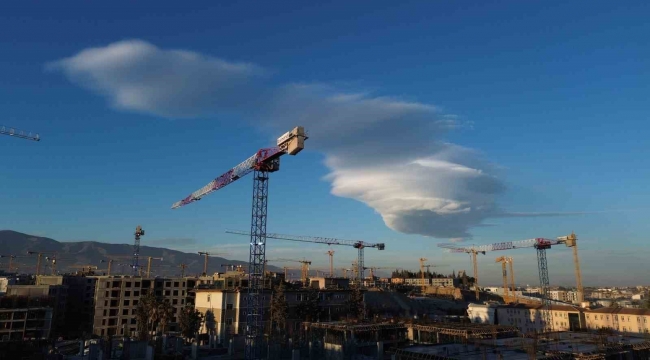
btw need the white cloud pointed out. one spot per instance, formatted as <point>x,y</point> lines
<point>385,152</point>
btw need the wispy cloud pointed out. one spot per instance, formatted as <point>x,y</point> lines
<point>386,152</point>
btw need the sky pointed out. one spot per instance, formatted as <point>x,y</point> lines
<point>429,122</point>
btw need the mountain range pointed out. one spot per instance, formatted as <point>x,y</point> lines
<point>84,253</point>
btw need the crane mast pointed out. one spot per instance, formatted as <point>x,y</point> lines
<point>263,162</point>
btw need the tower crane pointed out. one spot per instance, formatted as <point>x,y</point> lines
<point>47,258</point>
<point>19,134</point>
<point>11,260</point>
<point>541,245</point>
<point>205,254</point>
<point>149,264</point>
<point>304,268</point>
<point>357,244</point>
<point>504,261</point>
<point>110,264</point>
<point>183,267</point>
<point>422,261</point>
<point>331,254</point>
<point>375,268</point>
<point>263,162</point>
<point>139,231</point>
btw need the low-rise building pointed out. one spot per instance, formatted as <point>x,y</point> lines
<point>530,318</point>
<point>482,313</point>
<point>329,283</point>
<point>228,307</point>
<point>418,281</point>
<point>622,320</point>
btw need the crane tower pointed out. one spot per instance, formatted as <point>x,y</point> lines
<point>263,162</point>
<point>136,250</point>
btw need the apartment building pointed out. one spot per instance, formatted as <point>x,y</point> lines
<point>450,282</point>
<point>25,323</point>
<point>623,320</point>
<point>229,308</point>
<point>80,302</point>
<point>529,318</point>
<point>117,298</point>
<point>446,282</point>
<point>55,295</point>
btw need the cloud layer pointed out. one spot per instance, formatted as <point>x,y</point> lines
<point>385,152</point>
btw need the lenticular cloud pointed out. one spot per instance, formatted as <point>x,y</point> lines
<point>387,153</point>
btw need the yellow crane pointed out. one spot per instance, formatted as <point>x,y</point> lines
<point>572,242</point>
<point>304,268</point>
<point>149,264</point>
<point>205,262</point>
<point>504,261</point>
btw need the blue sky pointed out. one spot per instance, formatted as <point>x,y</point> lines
<point>434,116</point>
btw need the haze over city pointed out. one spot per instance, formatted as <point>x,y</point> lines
<point>428,123</point>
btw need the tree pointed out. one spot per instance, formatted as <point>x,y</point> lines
<point>189,320</point>
<point>355,304</point>
<point>279,309</point>
<point>165,313</point>
<point>143,314</point>
<point>309,308</point>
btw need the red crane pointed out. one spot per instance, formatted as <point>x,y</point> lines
<point>263,162</point>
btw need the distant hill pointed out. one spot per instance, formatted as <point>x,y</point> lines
<point>92,252</point>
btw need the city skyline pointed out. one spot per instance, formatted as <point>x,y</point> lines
<point>422,130</point>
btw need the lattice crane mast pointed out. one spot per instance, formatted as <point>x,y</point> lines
<point>357,244</point>
<point>139,231</point>
<point>263,162</point>
<point>504,272</point>
<point>331,255</point>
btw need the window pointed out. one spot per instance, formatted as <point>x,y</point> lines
<point>133,321</point>
<point>175,283</point>
<point>175,293</point>
<point>168,284</point>
<point>127,293</point>
<point>123,321</point>
<point>175,301</point>
<point>638,319</point>
<point>137,284</point>
<point>229,321</point>
<point>167,292</point>
<point>209,297</point>
<point>136,293</point>
<point>135,302</point>
<point>125,311</point>
<point>126,302</point>
<point>228,306</point>
<point>128,284</point>
<point>103,321</point>
<point>104,312</point>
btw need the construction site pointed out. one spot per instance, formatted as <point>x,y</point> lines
<point>340,312</point>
